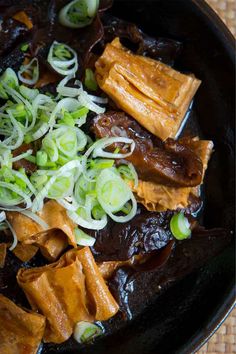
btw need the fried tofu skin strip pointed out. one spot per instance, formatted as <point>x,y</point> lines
<point>51,241</point>
<point>3,253</point>
<point>153,93</point>
<point>25,252</point>
<point>20,331</point>
<point>66,292</point>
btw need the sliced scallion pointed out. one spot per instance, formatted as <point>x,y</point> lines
<point>87,222</point>
<point>180,226</point>
<point>9,77</point>
<point>62,187</point>
<point>11,195</point>
<point>90,81</point>
<point>63,58</point>
<point>97,149</point>
<point>82,239</point>
<point>41,158</point>
<point>128,172</point>
<point>113,194</point>
<point>24,47</point>
<point>22,156</point>
<point>78,13</point>
<point>15,240</point>
<point>85,331</point>
<point>2,216</point>
<point>29,73</point>
<point>28,93</point>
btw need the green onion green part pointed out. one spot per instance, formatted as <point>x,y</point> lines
<point>78,13</point>
<point>24,47</point>
<point>180,226</point>
<point>90,81</point>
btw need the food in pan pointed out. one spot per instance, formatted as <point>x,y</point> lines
<point>100,186</point>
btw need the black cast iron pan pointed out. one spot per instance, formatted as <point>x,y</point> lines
<point>184,316</point>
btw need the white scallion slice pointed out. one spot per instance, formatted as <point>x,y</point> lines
<point>129,216</point>
<point>83,215</point>
<point>62,187</point>
<point>40,132</point>
<point>113,194</point>
<point>82,239</point>
<point>32,70</point>
<point>9,78</point>
<point>70,206</point>
<point>86,331</point>
<point>38,201</point>
<point>67,104</point>
<point>96,99</point>
<point>15,240</point>
<point>17,96</point>
<point>38,101</point>
<point>3,226</point>
<point>50,147</point>
<point>97,148</point>
<point>87,223</point>
<point>5,157</point>
<point>78,13</point>
<point>66,140</point>
<point>17,134</point>
<point>66,91</point>
<point>127,171</point>
<point>28,93</point>
<point>22,156</point>
<point>23,197</point>
<point>2,216</point>
<point>25,180</point>
<point>84,98</point>
<point>86,101</point>
<point>84,184</point>
<point>92,6</point>
<point>63,59</point>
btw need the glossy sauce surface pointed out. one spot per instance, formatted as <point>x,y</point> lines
<point>7,278</point>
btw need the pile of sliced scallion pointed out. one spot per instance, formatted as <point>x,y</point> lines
<point>72,169</point>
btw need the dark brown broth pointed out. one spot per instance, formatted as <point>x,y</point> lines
<point>10,288</point>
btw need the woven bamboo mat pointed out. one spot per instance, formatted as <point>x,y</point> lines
<point>224,340</point>
<point>226,9</point>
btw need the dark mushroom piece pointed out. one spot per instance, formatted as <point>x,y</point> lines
<point>145,233</point>
<point>169,162</point>
<point>132,288</point>
<point>11,33</point>
<point>163,49</point>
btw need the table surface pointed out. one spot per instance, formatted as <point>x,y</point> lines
<point>226,9</point>
<point>224,340</point>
